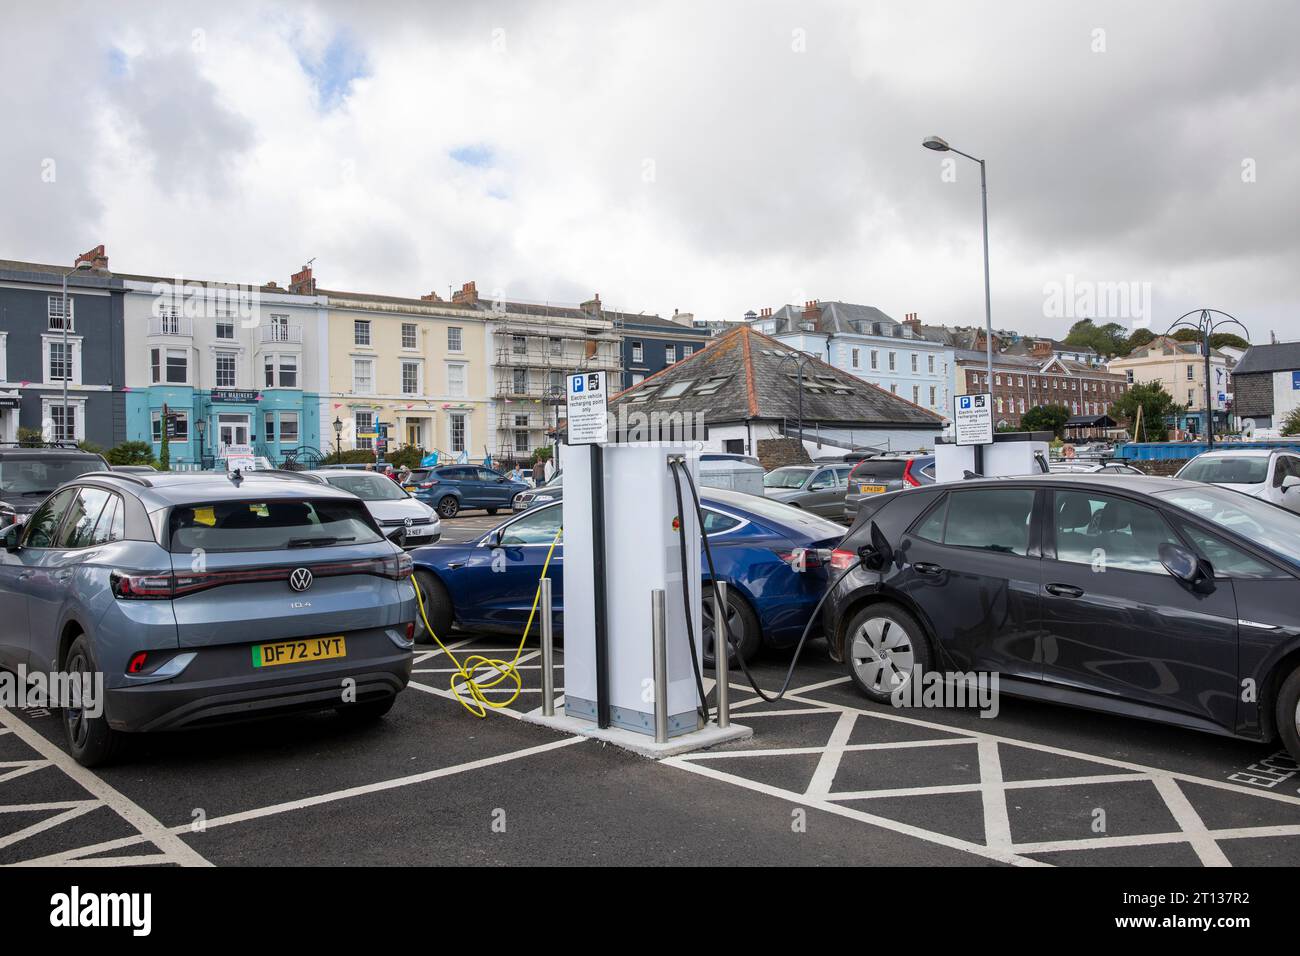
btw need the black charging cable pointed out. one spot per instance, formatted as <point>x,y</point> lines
<point>723,627</point>
<point>686,597</point>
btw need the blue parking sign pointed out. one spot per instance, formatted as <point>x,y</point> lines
<point>577,383</point>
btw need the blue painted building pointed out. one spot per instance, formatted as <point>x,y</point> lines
<point>34,360</point>
<point>233,367</point>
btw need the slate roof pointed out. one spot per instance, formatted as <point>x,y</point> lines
<point>1279,357</point>
<point>752,383</point>
<point>838,317</point>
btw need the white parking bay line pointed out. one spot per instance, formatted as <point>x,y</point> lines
<point>1190,822</point>
<point>150,828</point>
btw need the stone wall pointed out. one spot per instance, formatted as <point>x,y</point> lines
<point>775,452</point>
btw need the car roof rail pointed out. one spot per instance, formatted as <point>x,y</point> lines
<point>284,474</point>
<point>122,475</point>
<point>65,445</point>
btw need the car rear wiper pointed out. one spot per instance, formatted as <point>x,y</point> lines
<point>308,542</point>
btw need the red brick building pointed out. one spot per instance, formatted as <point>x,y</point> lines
<point>1019,383</point>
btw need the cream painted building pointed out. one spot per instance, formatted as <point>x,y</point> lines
<point>417,365</point>
<point>1179,367</point>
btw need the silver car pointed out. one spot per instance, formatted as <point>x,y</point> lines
<point>407,521</point>
<point>205,599</point>
<point>819,489</point>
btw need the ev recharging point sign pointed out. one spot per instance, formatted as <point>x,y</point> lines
<point>587,409</point>
<point>973,419</point>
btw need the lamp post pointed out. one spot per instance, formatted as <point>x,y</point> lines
<point>338,432</point>
<point>800,360</point>
<point>81,265</point>
<point>202,426</point>
<point>1206,324</point>
<point>940,145</point>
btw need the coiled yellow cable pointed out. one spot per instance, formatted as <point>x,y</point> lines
<point>464,677</point>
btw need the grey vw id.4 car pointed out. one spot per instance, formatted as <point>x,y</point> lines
<point>205,599</point>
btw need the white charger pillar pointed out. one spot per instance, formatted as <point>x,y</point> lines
<point>642,552</point>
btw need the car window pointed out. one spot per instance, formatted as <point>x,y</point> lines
<point>879,469</point>
<point>112,522</point>
<point>842,474</point>
<point>45,522</point>
<point>536,527</point>
<point>1109,532</point>
<point>822,480</point>
<point>931,526</point>
<point>789,477</point>
<point>1264,524</point>
<point>79,529</point>
<point>1226,470</point>
<point>990,520</point>
<point>368,486</point>
<point>37,474</point>
<point>1227,558</point>
<point>276,524</point>
<point>487,474</point>
<point>715,522</point>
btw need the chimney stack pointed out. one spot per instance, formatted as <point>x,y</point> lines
<point>468,295</point>
<point>302,282</point>
<point>592,306</point>
<point>96,257</point>
<point>812,312</point>
<point>684,318</point>
<point>765,313</point>
<point>431,297</point>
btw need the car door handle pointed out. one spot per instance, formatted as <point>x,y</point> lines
<point>24,575</point>
<point>1064,590</point>
<point>925,567</point>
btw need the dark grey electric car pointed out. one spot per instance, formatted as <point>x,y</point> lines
<point>1169,600</point>
<point>205,599</point>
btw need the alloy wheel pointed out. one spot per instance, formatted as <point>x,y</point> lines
<point>735,626</point>
<point>75,717</point>
<point>882,654</point>
<point>448,507</point>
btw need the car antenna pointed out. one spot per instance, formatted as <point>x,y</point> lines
<point>237,476</point>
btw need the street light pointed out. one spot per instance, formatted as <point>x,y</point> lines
<point>338,431</point>
<point>940,145</point>
<point>202,426</point>
<point>800,360</point>
<point>81,265</point>
<point>1206,324</point>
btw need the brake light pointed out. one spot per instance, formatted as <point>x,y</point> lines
<point>842,559</point>
<point>802,559</point>
<point>908,478</point>
<point>410,631</point>
<point>399,567</point>
<point>137,663</point>
<point>429,484</point>
<point>141,587</point>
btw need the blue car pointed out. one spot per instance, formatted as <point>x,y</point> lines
<point>449,489</point>
<point>771,555</point>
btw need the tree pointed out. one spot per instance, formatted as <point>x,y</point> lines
<point>1137,339</point>
<point>131,453</point>
<point>1156,405</point>
<point>30,438</point>
<point>1044,418</point>
<point>410,456</point>
<point>1229,340</point>
<point>164,452</point>
<point>1291,424</point>
<point>350,456</point>
<point>1108,339</point>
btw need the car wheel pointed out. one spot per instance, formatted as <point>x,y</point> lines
<point>92,742</point>
<point>366,711</point>
<point>490,511</point>
<point>746,635</point>
<point>448,506</point>
<point>882,645</point>
<point>1288,714</point>
<point>437,607</point>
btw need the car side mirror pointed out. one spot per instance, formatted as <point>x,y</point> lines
<point>1192,570</point>
<point>11,536</point>
<point>1289,482</point>
<point>879,554</point>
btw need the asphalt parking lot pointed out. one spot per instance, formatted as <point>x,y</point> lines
<point>828,778</point>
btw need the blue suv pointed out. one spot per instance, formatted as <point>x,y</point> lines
<point>451,488</point>
<point>205,599</point>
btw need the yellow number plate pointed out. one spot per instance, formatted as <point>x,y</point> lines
<point>299,652</point>
<point>871,489</point>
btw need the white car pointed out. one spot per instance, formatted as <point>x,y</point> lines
<point>405,520</point>
<point>1270,474</point>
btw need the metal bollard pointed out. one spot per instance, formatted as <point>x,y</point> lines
<point>722,654</point>
<point>548,652</point>
<point>660,649</point>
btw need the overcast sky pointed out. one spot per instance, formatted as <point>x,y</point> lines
<point>709,157</point>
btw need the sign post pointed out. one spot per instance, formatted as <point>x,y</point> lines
<point>973,424</point>
<point>587,412</point>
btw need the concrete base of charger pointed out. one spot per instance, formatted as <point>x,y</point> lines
<point>642,744</point>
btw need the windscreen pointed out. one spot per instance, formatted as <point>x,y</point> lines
<point>269,525</point>
<point>37,475</point>
<point>786,478</point>
<point>1226,471</point>
<point>368,487</point>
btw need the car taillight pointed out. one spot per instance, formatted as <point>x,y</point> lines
<point>802,558</point>
<point>141,587</point>
<point>429,484</point>
<point>842,559</point>
<point>410,631</point>
<point>908,478</point>
<point>398,567</point>
<point>137,663</point>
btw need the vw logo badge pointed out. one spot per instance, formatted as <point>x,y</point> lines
<point>300,579</point>
<point>409,522</point>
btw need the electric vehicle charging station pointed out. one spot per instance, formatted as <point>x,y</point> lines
<point>633,630</point>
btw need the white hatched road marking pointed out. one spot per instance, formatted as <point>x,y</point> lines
<point>173,848</point>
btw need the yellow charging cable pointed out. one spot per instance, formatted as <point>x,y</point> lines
<point>499,670</point>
